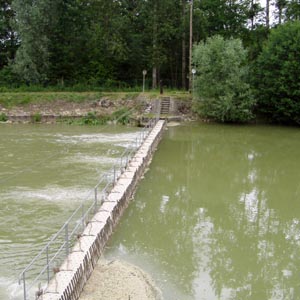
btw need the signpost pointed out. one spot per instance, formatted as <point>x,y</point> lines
<point>193,72</point>
<point>144,75</point>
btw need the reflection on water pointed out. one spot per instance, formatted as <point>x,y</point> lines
<point>218,214</point>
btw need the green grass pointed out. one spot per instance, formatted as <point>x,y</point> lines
<point>11,99</point>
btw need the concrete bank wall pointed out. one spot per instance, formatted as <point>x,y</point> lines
<point>77,268</point>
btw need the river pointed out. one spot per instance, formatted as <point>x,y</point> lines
<point>217,216</point>
<point>45,173</point>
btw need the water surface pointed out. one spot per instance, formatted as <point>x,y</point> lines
<point>46,171</point>
<point>218,214</point>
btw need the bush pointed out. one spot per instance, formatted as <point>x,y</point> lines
<point>276,75</point>
<point>222,92</point>
<point>36,118</point>
<point>3,117</point>
<point>121,116</point>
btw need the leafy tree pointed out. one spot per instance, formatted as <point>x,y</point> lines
<point>293,10</point>
<point>221,88</point>
<point>280,5</point>
<point>68,36</point>
<point>8,40</point>
<point>34,20</point>
<point>225,17</point>
<point>277,74</point>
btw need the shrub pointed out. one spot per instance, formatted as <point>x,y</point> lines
<point>222,92</point>
<point>276,75</point>
<point>121,116</point>
<point>3,117</point>
<point>36,118</point>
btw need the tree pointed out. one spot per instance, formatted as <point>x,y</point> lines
<point>221,88</point>
<point>293,10</point>
<point>69,35</point>
<point>225,17</point>
<point>33,23</point>
<point>280,5</point>
<point>277,74</point>
<point>8,40</point>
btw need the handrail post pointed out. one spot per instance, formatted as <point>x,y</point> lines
<point>48,269</point>
<point>82,216</point>
<point>114,174</point>
<point>24,286</point>
<point>67,239</point>
<point>96,199</point>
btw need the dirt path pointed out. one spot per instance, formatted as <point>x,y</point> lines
<point>118,280</point>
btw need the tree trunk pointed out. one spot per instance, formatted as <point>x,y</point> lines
<point>252,15</point>
<point>183,43</point>
<point>280,15</point>
<point>268,13</point>
<point>191,45</point>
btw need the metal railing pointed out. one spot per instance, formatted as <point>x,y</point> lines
<point>38,273</point>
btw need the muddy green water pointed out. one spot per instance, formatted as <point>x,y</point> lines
<point>217,216</point>
<point>45,173</point>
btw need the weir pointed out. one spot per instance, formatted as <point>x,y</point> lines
<point>70,278</point>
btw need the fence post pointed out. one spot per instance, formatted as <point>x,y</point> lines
<point>24,286</point>
<point>67,239</point>
<point>114,174</point>
<point>96,199</point>
<point>82,216</point>
<point>48,270</point>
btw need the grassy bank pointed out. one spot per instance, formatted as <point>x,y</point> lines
<point>20,98</point>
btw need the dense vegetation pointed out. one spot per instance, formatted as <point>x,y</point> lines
<point>277,75</point>
<point>221,83</point>
<point>91,44</point>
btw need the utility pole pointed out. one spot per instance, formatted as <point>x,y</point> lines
<point>191,45</point>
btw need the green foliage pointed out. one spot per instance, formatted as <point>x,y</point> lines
<point>121,116</point>
<point>277,75</point>
<point>33,22</point>
<point>36,117</point>
<point>226,18</point>
<point>3,117</point>
<point>8,39</point>
<point>221,88</point>
<point>92,119</point>
<point>105,45</point>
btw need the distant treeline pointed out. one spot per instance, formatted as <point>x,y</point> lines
<point>109,42</point>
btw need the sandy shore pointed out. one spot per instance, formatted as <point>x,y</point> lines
<point>118,280</point>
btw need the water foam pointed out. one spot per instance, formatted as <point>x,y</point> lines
<point>10,289</point>
<point>102,138</point>
<point>49,194</point>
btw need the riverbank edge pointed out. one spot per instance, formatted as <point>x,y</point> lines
<point>71,277</point>
<point>101,109</point>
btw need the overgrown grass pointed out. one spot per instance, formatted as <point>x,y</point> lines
<point>12,98</point>
<point>3,117</point>
<point>121,116</point>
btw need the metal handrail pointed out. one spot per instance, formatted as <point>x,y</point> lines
<point>108,179</point>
